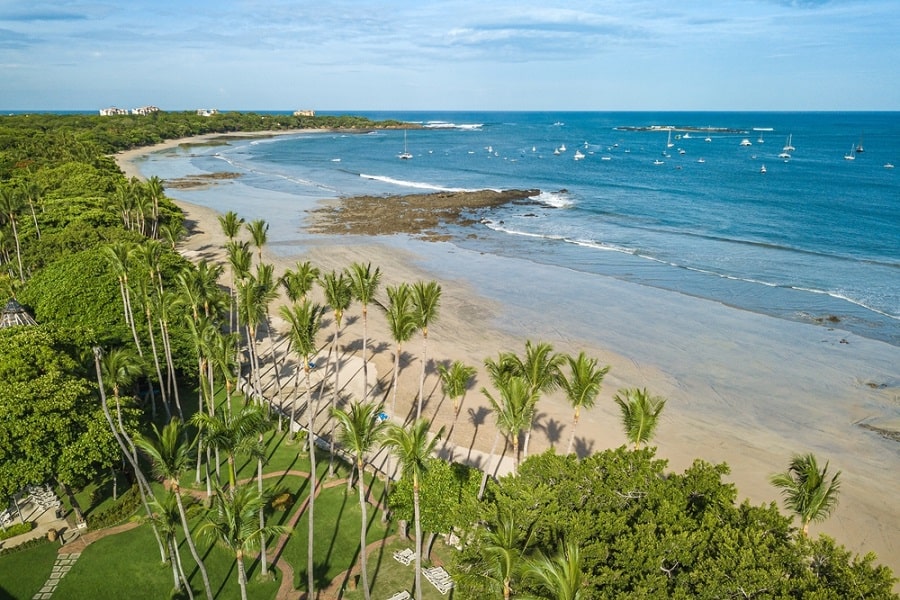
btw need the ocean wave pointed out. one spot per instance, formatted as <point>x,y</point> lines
<point>501,227</point>
<point>296,180</point>
<point>419,185</point>
<point>448,125</point>
<point>554,199</point>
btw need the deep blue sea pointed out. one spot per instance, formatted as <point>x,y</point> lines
<point>815,235</point>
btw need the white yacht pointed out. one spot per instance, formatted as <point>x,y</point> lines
<point>788,146</point>
<point>578,155</point>
<point>746,142</point>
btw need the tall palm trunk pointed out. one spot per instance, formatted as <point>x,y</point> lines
<point>263,565</point>
<point>153,348</point>
<point>139,475</point>
<point>363,570</point>
<point>190,540</point>
<point>242,574</point>
<point>365,315</point>
<point>418,522</point>
<point>130,317</point>
<point>170,363</point>
<point>487,466</point>
<point>396,380</point>
<point>337,371</point>
<point>311,410</point>
<point>422,377</point>
<point>12,221</point>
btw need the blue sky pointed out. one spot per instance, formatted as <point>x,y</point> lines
<point>451,55</point>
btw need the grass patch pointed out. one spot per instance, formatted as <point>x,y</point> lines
<point>23,573</point>
<point>127,565</point>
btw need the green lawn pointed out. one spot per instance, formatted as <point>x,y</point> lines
<point>23,573</point>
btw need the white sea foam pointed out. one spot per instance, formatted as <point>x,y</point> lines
<point>448,125</point>
<point>554,199</point>
<point>419,185</point>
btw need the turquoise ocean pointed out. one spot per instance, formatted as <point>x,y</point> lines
<point>764,212</point>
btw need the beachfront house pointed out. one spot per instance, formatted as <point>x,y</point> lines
<point>144,110</point>
<point>304,113</point>
<point>207,112</point>
<point>112,110</point>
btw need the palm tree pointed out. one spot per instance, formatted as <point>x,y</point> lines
<point>361,429</point>
<point>149,253</point>
<point>231,224</point>
<point>426,300</point>
<point>120,367</point>
<point>364,282</point>
<point>455,381</point>
<point>233,433</point>
<point>259,232</point>
<point>339,295</point>
<point>640,414</point>
<point>412,448</point>
<point>117,255</point>
<point>252,312</point>
<point>232,523</point>
<point>297,284</point>
<point>402,322</point>
<point>541,369</point>
<point>172,232</point>
<point>171,455</point>
<point>304,320</point>
<point>559,576</point>
<point>582,386</point>
<point>514,410</point>
<point>166,518</point>
<point>10,205</point>
<point>154,187</point>
<point>32,195</point>
<point>807,491</point>
<point>127,450</point>
<point>502,550</point>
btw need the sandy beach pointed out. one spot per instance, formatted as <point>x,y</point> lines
<point>742,388</point>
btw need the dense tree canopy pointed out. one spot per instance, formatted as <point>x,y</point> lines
<point>648,533</point>
<point>51,426</point>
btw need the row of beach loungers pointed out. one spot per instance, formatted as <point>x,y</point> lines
<point>437,576</point>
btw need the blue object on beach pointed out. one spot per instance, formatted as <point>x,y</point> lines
<point>382,416</point>
<point>312,365</point>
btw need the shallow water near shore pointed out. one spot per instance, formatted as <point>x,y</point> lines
<point>814,239</point>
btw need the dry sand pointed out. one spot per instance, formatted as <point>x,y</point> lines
<point>743,388</point>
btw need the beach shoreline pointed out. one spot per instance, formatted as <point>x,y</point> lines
<point>743,388</point>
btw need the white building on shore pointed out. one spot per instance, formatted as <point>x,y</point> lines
<point>143,110</point>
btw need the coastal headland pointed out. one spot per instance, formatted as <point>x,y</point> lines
<point>742,388</point>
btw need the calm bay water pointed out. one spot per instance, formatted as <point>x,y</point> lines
<point>814,236</point>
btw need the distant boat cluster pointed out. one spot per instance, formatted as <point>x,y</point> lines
<point>684,134</point>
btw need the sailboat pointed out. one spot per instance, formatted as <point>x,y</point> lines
<point>850,155</point>
<point>669,143</point>
<point>788,145</point>
<point>405,155</point>
<point>859,146</point>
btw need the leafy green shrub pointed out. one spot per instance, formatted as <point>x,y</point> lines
<point>124,507</point>
<point>282,501</point>
<point>38,541</point>
<point>17,529</point>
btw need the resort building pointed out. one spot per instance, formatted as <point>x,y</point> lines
<point>207,112</point>
<point>112,110</point>
<point>144,110</point>
<point>304,113</point>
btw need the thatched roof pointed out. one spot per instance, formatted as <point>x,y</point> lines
<point>14,314</point>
